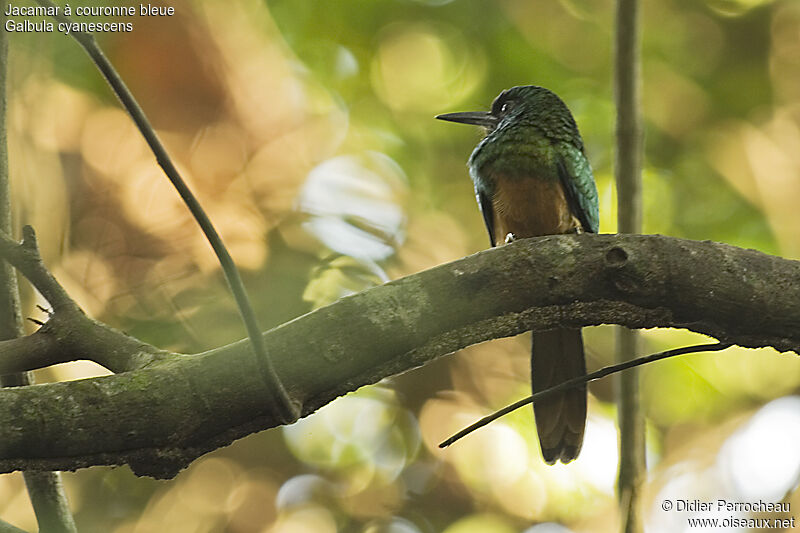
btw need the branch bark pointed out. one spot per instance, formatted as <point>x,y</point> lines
<point>197,403</point>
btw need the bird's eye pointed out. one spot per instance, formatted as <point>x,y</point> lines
<point>506,107</point>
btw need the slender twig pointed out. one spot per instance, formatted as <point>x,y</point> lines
<point>68,334</point>
<point>580,380</point>
<point>49,502</point>
<point>46,493</point>
<point>284,408</point>
<point>5,527</point>
<point>24,256</point>
<point>628,170</point>
<point>629,138</point>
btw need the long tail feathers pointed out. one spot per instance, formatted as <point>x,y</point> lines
<point>557,356</point>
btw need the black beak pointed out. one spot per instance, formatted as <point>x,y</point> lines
<point>478,118</point>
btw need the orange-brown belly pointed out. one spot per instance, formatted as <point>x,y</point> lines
<point>530,207</point>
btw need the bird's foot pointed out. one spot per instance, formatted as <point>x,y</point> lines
<point>510,238</point>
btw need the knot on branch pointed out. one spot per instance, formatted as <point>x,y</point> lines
<point>621,274</point>
<point>616,257</point>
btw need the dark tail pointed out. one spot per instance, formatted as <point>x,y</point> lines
<point>557,356</point>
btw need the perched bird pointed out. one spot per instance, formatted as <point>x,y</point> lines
<point>532,178</point>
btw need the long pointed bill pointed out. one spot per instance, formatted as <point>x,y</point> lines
<point>478,118</point>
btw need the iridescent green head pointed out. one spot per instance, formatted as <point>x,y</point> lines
<point>525,106</point>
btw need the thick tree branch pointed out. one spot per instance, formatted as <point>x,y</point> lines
<point>195,404</point>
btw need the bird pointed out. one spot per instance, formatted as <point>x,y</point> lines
<point>532,178</point>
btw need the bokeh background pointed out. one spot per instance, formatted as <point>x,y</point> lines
<point>306,129</point>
